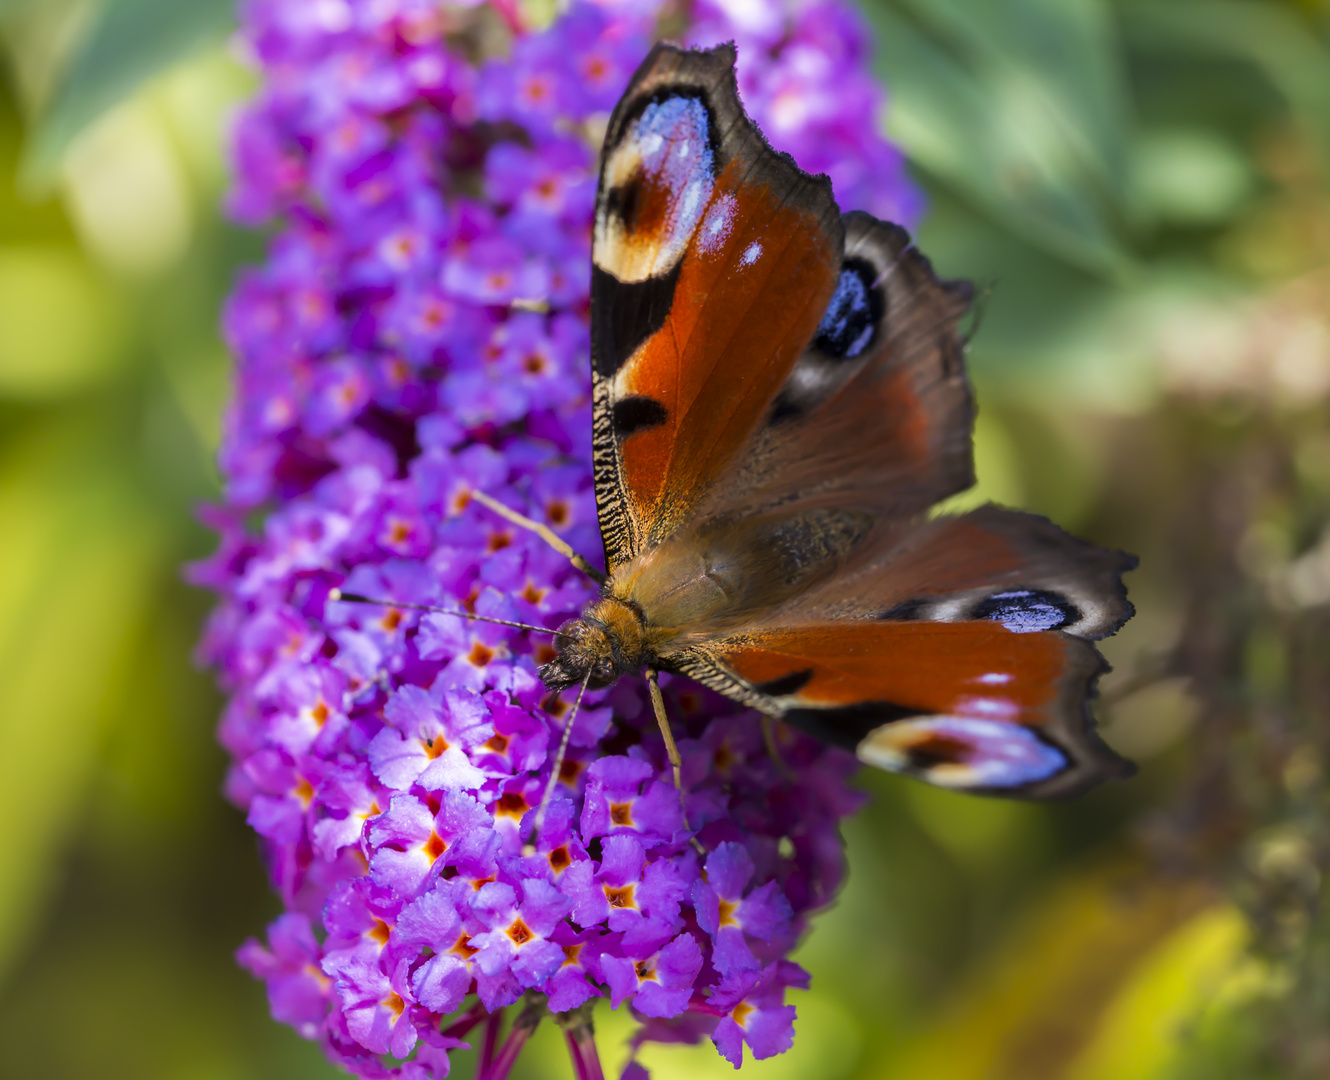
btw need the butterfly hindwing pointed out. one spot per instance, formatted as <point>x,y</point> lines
<point>877,412</point>
<point>714,258</point>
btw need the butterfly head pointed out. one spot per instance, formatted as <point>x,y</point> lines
<point>606,642</point>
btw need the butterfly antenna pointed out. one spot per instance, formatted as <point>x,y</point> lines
<point>544,532</point>
<point>530,847</point>
<point>356,598</point>
<point>676,762</point>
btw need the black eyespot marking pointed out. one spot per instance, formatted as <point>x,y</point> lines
<point>625,313</point>
<point>638,414</point>
<point>848,725</point>
<point>850,323</point>
<point>786,408</point>
<point>1027,611</point>
<point>786,684</point>
<point>937,749</point>
<point>622,202</point>
<point>906,611</point>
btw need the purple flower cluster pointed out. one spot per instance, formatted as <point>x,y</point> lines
<point>419,333</point>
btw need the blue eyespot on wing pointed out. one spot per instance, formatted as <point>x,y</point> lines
<point>851,320</point>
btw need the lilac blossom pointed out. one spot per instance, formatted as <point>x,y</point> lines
<point>418,333</point>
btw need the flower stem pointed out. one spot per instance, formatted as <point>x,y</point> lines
<point>582,1046</point>
<point>492,1026</point>
<point>522,1029</point>
<point>458,1028</point>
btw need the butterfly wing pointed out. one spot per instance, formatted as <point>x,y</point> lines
<point>968,705</point>
<point>779,394</point>
<point>714,259</point>
<point>991,563</point>
<point>961,655</point>
<point>877,413</point>
<point>871,427</point>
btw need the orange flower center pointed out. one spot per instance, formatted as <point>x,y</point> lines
<point>512,805</point>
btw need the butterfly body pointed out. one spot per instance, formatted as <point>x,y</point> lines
<point>779,398</point>
<point>694,588</point>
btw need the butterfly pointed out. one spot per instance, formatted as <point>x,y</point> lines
<point>779,398</point>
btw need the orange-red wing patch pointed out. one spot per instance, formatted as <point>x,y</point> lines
<point>966,705</point>
<point>921,667</point>
<point>741,314</point>
<point>714,259</point>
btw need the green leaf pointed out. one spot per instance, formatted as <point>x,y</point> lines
<point>1020,108</point>
<point>61,331</point>
<point>79,559</point>
<point>1271,38</point>
<point>130,42</point>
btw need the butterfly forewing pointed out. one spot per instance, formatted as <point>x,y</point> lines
<point>713,260</point>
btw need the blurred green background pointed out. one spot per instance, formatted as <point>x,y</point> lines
<point>1139,186</point>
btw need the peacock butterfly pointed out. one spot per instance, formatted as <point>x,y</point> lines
<point>779,399</point>
<point>780,396</point>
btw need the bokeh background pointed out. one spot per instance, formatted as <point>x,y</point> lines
<point>1139,187</point>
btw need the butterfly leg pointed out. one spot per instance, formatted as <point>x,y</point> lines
<point>676,762</point>
<point>529,848</point>
<point>543,531</point>
<point>773,751</point>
